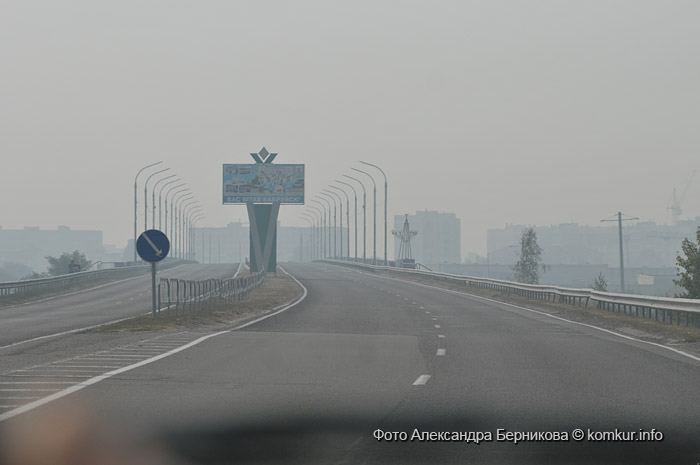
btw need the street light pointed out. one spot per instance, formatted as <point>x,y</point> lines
<point>195,219</point>
<point>347,218</point>
<point>374,260</point>
<point>186,205</point>
<point>340,201</point>
<point>318,234</point>
<point>327,222</point>
<point>184,189</point>
<point>311,238</point>
<point>136,200</point>
<point>160,199</point>
<point>187,225</point>
<point>386,189</point>
<point>322,224</point>
<point>335,222</point>
<point>174,218</point>
<point>145,198</point>
<point>153,199</point>
<point>364,217</point>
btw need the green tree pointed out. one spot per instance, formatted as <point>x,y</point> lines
<point>689,268</point>
<point>61,265</point>
<point>600,284</point>
<point>527,268</point>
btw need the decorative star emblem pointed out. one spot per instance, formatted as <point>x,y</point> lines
<point>263,156</point>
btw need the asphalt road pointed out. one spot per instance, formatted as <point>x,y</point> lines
<point>106,302</point>
<point>396,356</point>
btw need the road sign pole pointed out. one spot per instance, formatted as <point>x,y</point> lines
<point>153,287</point>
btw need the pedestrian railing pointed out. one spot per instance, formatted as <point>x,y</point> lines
<point>663,309</point>
<point>184,295</point>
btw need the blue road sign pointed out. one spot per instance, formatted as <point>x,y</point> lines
<point>152,245</point>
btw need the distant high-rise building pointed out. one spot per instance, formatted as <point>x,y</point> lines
<point>645,243</point>
<point>438,239</point>
<point>31,245</point>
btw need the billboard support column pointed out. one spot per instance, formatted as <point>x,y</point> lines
<point>263,236</point>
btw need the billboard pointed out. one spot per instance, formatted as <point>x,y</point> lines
<point>263,183</point>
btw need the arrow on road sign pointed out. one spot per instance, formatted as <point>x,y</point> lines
<point>150,242</point>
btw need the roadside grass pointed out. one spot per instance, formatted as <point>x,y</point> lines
<point>274,292</point>
<point>639,327</point>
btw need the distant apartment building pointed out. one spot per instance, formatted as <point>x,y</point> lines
<point>645,243</point>
<point>438,239</point>
<point>30,245</point>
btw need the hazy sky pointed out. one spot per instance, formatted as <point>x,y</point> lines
<point>537,112</point>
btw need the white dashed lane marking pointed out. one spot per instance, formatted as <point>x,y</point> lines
<point>422,379</point>
<point>441,352</point>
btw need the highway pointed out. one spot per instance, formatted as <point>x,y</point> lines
<point>102,303</point>
<point>399,356</point>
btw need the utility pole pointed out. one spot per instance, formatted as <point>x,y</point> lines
<point>619,220</point>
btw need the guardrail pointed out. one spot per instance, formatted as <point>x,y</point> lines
<point>663,309</point>
<point>27,285</point>
<point>204,294</point>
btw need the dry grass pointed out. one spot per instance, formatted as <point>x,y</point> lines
<point>275,291</point>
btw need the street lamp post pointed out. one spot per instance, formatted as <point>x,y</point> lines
<point>315,234</point>
<point>327,221</point>
<point>386,202</point>
<point>315,230</point>
<point>322,224</point>
<point>145,198</point>
<point>160,200</point>
<point>175,217</point>
<point>374,259</point>
<point>347,219</point>
<point>136,200</point>
<point>335,222</point>
<point>355,193</point>
<point>195,220</point>
<point>364,217</point>
<point>182,236</point>
<point>311,238</point>
<point>177,191</point>
<point>340,201</point>
<point>153,200</point>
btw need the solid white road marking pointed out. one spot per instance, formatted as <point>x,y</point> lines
<point>96,379</point>
<point>441,352</point>
<point>422,379</point>
<point>466,294</point>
